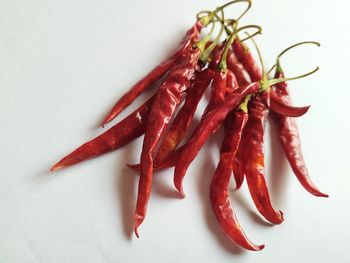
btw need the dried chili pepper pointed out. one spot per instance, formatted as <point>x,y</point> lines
<point>283,107</point>
<point>219,195</point>
<point>207,127</point>
<point>156,73</point>
<point>163,107</point>
<point>120,134</point>
<point>246,58</point>
<point>243,78</point>
<point>184,117</point>
<point>289,134</point>
<point>252,156</point>
<point>251,151</point>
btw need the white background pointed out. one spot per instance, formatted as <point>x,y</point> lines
<point>62,66</point>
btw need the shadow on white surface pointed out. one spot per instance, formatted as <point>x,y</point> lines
<point>239,200</point>
<point>125,190</point>
<point>279,166</point>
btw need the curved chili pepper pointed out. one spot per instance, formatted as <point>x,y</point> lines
<point>154,75</point>
<point>289,136</point>
<point>252,154</point>
<point>184,117</point>
<point>284,108</point>
<point>207,127</point>
<point>120,134</point>
<point>168,98</point>
<point>219,195</point>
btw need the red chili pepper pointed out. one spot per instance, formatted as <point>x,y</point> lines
<point>243,78</point>
<point>184,117</point>
<point>154,75</point>
<point>238,69</point>
<point>168,98</point>
<point>252,156</point>
<point>218,91</point>
<point>207,127</point>
<point>120,134</point>
<point>170,162</point>
<point>219,195</point>
<point>283,107</point>
<point>289,135</point>
<point>246,58</point>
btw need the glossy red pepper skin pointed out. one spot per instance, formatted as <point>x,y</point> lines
<point>246,58</point>
<point>184,117</point>
<point>243,78</point>
<point>252,154</point>
<point>238,69</point>
<point>219,194</point>
<point>218,91</point>
<point>207,127</point>
<point>289,136</point>
<point>283,107</point>
<point>170,162</point>
<point>154,75</point>
<point>120,134</point>
<point>168,98</point>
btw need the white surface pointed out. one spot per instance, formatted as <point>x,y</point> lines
<point>62,66</point>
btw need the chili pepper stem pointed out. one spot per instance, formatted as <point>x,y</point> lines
<point>206,53</point>
<point>266,84</point>
<point>278,64</point>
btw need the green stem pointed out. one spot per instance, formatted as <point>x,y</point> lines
<point>205,55</point>
<point>264,77</point>
<point>278,64</point>
<point>223,62</point>
<point>201,44</point>
<point>244,105</point>
<point>267,83</point>
<point>249,2</point>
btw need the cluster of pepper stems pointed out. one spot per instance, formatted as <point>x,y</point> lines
<point>242,97</point>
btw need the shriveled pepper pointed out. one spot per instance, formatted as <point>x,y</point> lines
<point>219,194</point>
<point>164,105</point>
<point>207,127</point>
<point>283,107</point>
<point>120,134</point>
<point>252,156</point>
<point>184,117</point>
<point>289,134</point>
<point>155,74</point>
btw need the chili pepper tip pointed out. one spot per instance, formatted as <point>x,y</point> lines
<point>56,167</point>
<point>258,248</point>
<point>180,190</point>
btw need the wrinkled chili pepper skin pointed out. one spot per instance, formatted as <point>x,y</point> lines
<point>218,91</point>
<point>283,107</point>
<point>207,127</point>
<point>218,88</point>
<point>246,58</point>
<point>120,134</point>
<point>243,78</point>
<point>238,69</point>
<point>289,136</point>
<point>252,151</point>
<point>184,117</point>
<point>154,75</point>
<point>219,195</point>
<point>168,98</point>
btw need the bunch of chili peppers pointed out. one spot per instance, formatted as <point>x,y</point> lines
<point>242,97</point>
